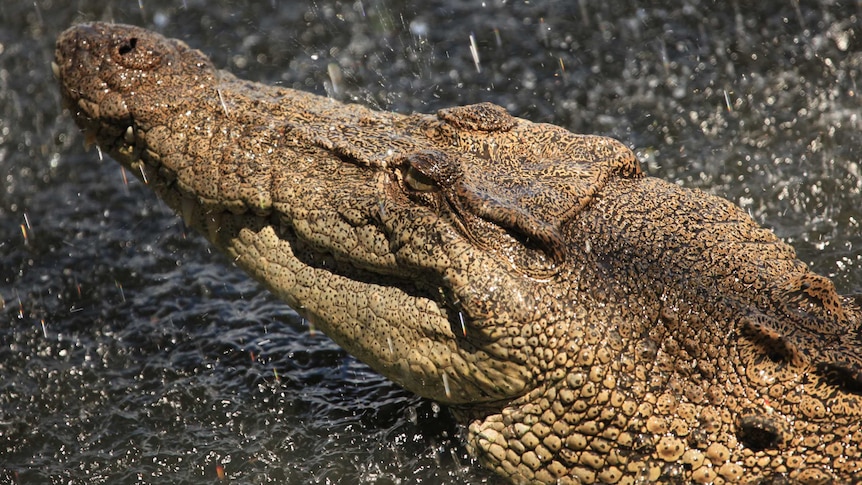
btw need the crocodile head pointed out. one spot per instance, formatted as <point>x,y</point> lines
<point>587,323</point>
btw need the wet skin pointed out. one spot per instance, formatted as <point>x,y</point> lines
<point>586,323</point>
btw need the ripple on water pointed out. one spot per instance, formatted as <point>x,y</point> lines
<point>234,381</point>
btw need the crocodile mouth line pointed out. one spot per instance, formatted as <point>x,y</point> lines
<point>210,220</point>
<point>144,164</point>
<point>209,217</point>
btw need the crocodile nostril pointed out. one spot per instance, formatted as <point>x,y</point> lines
<point>759,433</point>
<point>128,46</point>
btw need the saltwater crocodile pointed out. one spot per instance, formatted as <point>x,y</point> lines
<point>586,323</point>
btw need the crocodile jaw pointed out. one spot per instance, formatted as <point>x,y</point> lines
<point>406,326</point>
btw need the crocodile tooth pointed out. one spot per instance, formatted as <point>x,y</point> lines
<point>55,68</point>
<point>187,211</point>
<point>89,139</point>
<point>129,135</point>
<point>446,385</point>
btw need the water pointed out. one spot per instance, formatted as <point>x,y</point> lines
<point>130,353</point>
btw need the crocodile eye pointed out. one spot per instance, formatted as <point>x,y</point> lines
<point>430,171</point>
<point>418,181</point>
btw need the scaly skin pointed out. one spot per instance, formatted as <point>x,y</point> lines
<point>588,324</point>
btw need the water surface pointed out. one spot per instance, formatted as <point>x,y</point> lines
<point>131,353</point>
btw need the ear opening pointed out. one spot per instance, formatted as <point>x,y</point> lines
<point>843,375</point>
<point>759,433</point>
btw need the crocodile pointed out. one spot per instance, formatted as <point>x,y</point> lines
<point>585,322</point>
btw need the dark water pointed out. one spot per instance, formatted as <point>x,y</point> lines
<point>130,353</point>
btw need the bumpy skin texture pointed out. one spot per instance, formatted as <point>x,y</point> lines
<point>587,323</point>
